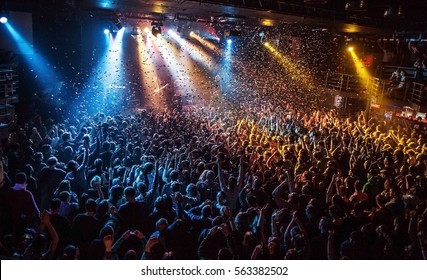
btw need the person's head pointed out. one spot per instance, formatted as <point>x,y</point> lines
<point>358,185</point>
<point>217,221</point>
<point>106,146</point>
<point>148,167</point>
<point>68,151</point>
<point>162,225</point>
<point>294,201</point>
<point>273,245</point>
<point>70,252</point>
<point>318,155</point>
<point>210,176</point>
<point>358,209</point>
<point>225,254</point>
<point>64,185</point>
<point>346,250</point>
<point>90,206</point>
<point>174,175</point>
<point>200,166</point>
<point>130,255</point>
<point>72,165</point>
<point>242,221</point>
<point>39,244</point>
<point>399,223</point>
<point>325,224</point>
<point>311,212</point>
<point>232,182</point>
<point>395,192</point>
<point>249,241</point>
<point>65,196</point>
<point>381,200</point>
<point>130,193</point>
<point>28,169</point>
<point>206,211</point>
<point>221,198</point>
<point>257,184</point>
<point>52,162</point>
<point>116,193</point>
<point>175,187</point>
<point>191,190</point>
<point>105,231</point>
<point>20,178</point>
<point>38,157</point>
<point>102,208</point>
<point>55,203</point>
<point>98,163</point>
<point>335,211</point>
<point>47,149</point>
<point>95,182</point>
<point>141,187</point>
<point>66,136</point>
<point>86,139</point>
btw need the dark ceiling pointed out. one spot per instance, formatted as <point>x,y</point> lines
<point>347,16</point>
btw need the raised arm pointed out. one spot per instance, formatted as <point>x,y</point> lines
<point>46,224</point>
<point>221,179</point>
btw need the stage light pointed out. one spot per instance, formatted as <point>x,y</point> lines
<point>118,24</point>
<point>156,31</point>
<point>229,41</point>
<point>3,19</point>
<point>135,31</point>
<point>106,31</point>
<point>350,49</point>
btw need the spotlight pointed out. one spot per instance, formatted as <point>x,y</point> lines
<point>135,31</point>
<point>156,31</point>
<point>106,31</point>
<point>3,19</point>
<point>118,24</point>
<point>350,49</point>
<point>229,41</point>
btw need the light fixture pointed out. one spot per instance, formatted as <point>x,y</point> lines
<point>315,2</point>
<point>400,11</point>
<point>156,31</point>
<point>135,31</point>
<point>356,5</point>
<point>3,16</point>
<point>118,23</point>
<point>394,12</point>
<point>106,31</point>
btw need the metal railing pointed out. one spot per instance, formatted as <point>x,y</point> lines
<point>8,95</point>
<point>418,95</point>
<point>353,84</point>
<point>374,88</point>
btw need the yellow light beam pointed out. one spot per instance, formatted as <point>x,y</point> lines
<point>298,72</point>
<point>361,71</point>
